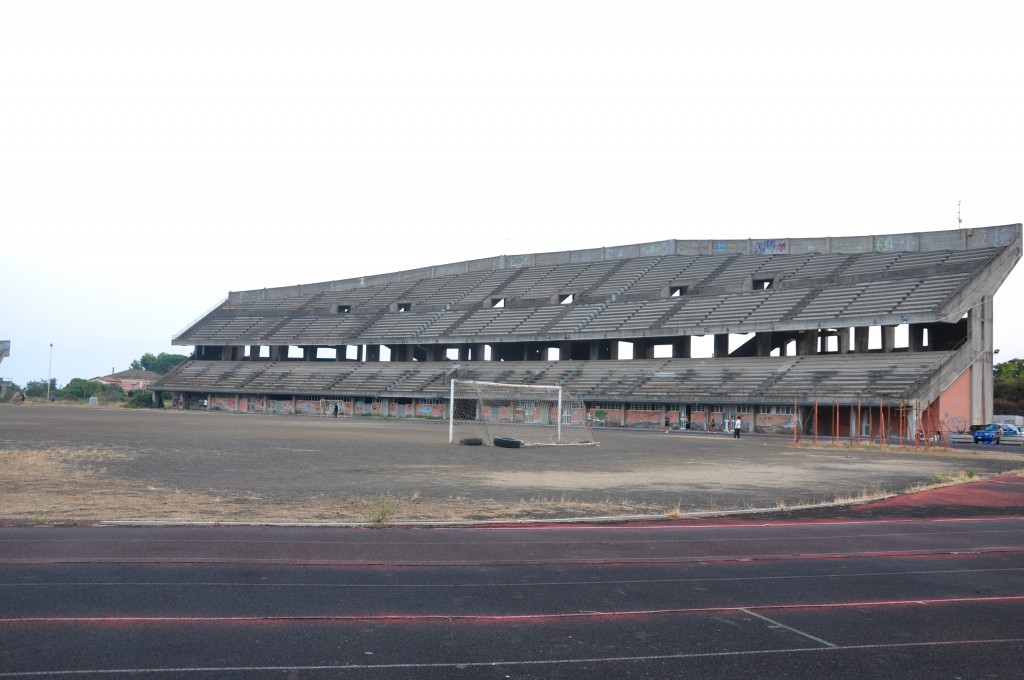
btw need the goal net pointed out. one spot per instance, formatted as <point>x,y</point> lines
<point>500,414</point>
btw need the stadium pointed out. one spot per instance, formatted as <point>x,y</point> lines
<point>859,336</point>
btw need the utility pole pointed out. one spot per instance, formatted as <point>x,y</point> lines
<point>49,370</point>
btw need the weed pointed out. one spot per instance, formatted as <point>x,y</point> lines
<point>381,511</point>
<point>42,521</point>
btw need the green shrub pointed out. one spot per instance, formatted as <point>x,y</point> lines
<point>140,399</point>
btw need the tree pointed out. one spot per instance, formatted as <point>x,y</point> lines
<point>37,388</point>
<point>78,388</point>
<point>1008,386</point>
<point>161,363</point>
<point>1008,370</point>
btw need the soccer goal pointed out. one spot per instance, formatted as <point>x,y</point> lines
<point>511,416</point>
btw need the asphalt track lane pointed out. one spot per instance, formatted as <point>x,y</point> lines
<point>884,641</point>
<point>511,546</point>
<point>828,597</point>
<point>95,593</point>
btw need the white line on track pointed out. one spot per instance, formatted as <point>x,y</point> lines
<point>459,665</point>
<point>449,618</point>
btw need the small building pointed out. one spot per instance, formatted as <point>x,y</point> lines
<point>132,379</point>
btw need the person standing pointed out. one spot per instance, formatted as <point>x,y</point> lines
<point>739,426</point>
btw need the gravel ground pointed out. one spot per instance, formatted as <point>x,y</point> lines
<point>66,464</point>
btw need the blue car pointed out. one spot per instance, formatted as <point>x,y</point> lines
<point>991,433</point>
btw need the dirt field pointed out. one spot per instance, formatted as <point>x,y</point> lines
<point>64,465</point>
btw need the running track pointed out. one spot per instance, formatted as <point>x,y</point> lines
<point>933,594</point>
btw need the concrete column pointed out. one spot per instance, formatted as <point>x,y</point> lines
<point>764,345</point>
<point>721,345</point>
<point>643,349</point>
<point>372,352</point>
<point>980,331</point>
<point>681,348</point>
<point>464,352</point>
<point>340,352</point>
<point>860,339</point>
<point>807,343</point>
<point>888,338</point>
<point>308,353</point>
<point>844,340</point>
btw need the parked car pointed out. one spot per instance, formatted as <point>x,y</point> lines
<point>990,434</point>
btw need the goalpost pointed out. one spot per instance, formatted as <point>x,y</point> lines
<point>509,415</point>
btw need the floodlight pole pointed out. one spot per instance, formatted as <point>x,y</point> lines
<point>559,414</point>
<point>451,412</point>
<point>49,370</point>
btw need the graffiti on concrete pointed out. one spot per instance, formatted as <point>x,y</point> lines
<point>768,247</point>
<point>723,246</point>
<point>958,424</point>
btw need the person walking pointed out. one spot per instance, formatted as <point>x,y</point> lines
<point>739,426</point>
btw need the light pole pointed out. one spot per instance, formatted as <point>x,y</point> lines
<point>49,370</point>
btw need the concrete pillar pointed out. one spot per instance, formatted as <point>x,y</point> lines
<point>340,352</point>
<point>764,344</point>
<point>980,333</point>
<point>681,348</point>
<point>643,349</point>
<point>721,345</point>
<point>372,352</point>
<point>477,351</point>
<point>888,338</point>
<point>843,335</point>
<point>361,353</point>
<point>308,353</point>
<point>860,339</point>
<point>807,343</point>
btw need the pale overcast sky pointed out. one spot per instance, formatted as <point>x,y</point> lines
<point>155,155</point>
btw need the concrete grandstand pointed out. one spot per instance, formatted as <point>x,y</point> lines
<point>844,336</point>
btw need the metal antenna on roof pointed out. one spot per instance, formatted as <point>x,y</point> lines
<point>959,222</point>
